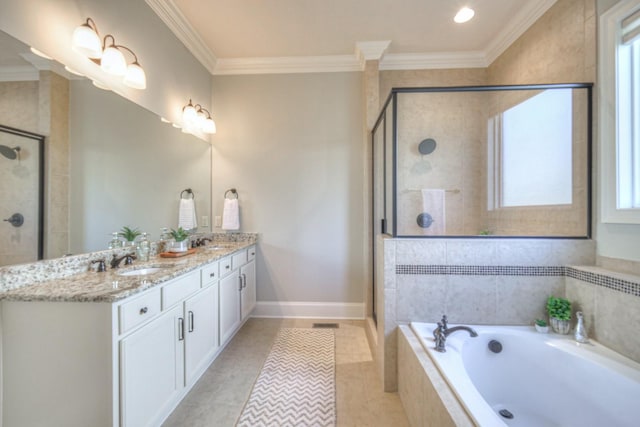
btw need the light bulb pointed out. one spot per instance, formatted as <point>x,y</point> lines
<point>113,61</point>
<point>86,42</point>
<point>135,76</point>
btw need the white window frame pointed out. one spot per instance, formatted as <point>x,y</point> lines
<point>609,40</point>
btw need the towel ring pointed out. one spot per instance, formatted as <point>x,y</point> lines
<point>188,191</point>
<point>232,191</point>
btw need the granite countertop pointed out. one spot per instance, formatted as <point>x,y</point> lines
<point>109,286</point>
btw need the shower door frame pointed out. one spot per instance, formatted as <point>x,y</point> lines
<point>40,140</point>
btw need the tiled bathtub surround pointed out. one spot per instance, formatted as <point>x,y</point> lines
<point>490,281</point>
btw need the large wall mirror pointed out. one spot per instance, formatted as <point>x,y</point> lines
<point>108,162</point>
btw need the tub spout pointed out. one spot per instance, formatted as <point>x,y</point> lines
<point>441,333</point>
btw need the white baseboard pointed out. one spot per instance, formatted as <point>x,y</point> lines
<point>314,310</point>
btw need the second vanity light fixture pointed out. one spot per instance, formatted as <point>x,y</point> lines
<point>194,119</point>
<point>109,55</point>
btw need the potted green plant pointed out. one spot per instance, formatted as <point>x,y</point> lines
<point>129,234</point>
<point>559,311</point>
<point>181,242</point>
<point>541,326</point>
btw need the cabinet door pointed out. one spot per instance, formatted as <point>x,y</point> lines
<point>152,370</point>
<point>201,330</point>
<point>248,294</point>
<point>229,306</point>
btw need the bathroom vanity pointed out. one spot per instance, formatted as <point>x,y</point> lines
<point>122,347</point>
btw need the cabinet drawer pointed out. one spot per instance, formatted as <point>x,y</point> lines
<point>251,253</point>
<point>225,266</point>
<point>179,289</point>
<point>138,311</point>
<point>209,274</point>
<point>239,259</point>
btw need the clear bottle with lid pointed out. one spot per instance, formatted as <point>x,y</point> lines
<point>164,242</point>
<point>115,241</point>
<point>143,248</point>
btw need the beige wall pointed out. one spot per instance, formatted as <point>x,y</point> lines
<point>292,145</point>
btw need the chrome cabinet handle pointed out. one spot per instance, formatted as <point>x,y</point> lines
<point>191,324</point>
<point>144,310</point>
<point>240,287</point>
<point>180,329</point>
<point>244,280</point>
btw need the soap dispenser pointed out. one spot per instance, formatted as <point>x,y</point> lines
<point>143,248</point>
<point>581,333</point>
<point>115,241</point>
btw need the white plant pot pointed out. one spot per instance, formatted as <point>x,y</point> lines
<point>541,329</point>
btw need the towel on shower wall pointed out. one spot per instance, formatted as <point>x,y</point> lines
<point>187,214</point>
<point>231,215</point>
<point>433,204</point>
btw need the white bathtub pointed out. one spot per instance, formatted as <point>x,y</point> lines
<point>542,379</point>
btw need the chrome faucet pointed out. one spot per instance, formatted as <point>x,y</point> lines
<point>441,333</point>
<point>128,259</point>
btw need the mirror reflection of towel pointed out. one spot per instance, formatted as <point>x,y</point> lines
<point>187,214</point>
<point>433,204</point>
<point>231,215</point>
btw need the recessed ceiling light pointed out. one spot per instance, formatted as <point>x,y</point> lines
<point>465,14</point>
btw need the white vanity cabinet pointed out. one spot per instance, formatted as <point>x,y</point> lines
<point>127,363</point>
<point>237,292</point>
<point>171,352</point>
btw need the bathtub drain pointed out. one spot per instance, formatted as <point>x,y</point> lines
<point>506,414</point>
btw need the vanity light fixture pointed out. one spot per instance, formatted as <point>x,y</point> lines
<point>464,15</point>
<point>108,54</point>
<point>195,120</point>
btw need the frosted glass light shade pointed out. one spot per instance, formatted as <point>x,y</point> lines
<point>189,114</point>
<point>86,42</point>
<point>113,61</point>
<point>135,76</point>
<point>209,126</point>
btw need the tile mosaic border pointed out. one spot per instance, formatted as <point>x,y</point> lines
<point>617,284</point>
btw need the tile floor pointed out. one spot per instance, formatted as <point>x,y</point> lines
<point>218,397</point>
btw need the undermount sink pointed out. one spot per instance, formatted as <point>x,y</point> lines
<point>217,247</point>
<point>141,271</point>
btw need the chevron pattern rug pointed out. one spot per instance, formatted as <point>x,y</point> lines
<point>296,386</point>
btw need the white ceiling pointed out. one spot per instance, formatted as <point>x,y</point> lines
<point>246,36</point>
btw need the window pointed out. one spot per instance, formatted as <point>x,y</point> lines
<point>620,113</point>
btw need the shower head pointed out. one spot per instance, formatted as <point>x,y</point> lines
<point>8,152</point>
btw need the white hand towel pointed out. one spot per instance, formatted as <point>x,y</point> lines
<point>187,214</point>
<point>231,215</point>
<point>433,204</point>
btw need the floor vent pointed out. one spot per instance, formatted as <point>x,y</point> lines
<point>326,325</point>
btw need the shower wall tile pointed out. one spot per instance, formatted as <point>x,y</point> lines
<point>471,299</point>
<point>421,298</point>
<point>522,299</point>
<point>471,252</point>
<point>420,252</point>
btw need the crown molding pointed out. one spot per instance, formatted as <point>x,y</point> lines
<point>284,65</point>
<point>371,51</point>
<point>515,28</point>
<point>171,15</point>
<point>22,73</point>
<point>423,61</point>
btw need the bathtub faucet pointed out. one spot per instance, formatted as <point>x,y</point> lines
<point>441,333</point>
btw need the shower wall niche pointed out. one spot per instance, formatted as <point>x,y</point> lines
<point>484,161</point>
